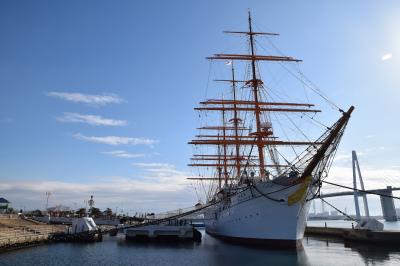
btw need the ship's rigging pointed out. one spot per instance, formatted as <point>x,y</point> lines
<point>244,143</point>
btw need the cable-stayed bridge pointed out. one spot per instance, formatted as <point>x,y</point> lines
<point>385,194</point>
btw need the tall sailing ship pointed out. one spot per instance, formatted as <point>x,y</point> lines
<point>256,193</point>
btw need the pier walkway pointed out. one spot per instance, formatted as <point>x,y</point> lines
<point>16,232</point>
<point>356,235</point>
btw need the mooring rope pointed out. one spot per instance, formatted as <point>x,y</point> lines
<point>345,214</point>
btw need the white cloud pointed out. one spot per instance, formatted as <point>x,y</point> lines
<point>94,99</point>
<point>94,120</point>
<point>161,187</point>
<point>161,171</point>
<point>343,157</point>
<point>386,56</point>
<point>374,178</point>
<point>115,140</point>
<point>131,194</point>
<point>154,165</point>
<point>123,154</point>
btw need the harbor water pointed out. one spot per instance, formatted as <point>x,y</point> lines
<point>211,251</point>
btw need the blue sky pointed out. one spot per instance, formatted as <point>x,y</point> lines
<point>145,59</point>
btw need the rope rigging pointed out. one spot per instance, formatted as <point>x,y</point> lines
<point>338,210</point>
<point>252,75</point>
<point>303,79</point>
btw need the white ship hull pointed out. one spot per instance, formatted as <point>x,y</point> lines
<point>251,217</point>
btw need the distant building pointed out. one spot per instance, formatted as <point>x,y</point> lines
<point>324,214</point>
<point>334,213</point>
<point>319,215</point>
<point>3,205</point>
<point>58,210</point>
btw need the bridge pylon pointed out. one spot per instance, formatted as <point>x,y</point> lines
<point>356,170</point>
<point>388,208</point>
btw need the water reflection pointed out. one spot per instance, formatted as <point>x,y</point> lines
<point>372,254</point>
<point>211,251</point>
<point>350,252</point>
<point>224,253</point>
<point>157,245</point>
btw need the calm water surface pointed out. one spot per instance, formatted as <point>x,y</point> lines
<point>117,251</point>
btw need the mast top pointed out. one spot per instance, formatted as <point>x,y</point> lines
<point>252,32</point>
<point>252,57</point>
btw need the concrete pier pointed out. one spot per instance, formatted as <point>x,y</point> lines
<point>160,232</point>
<point>16,232</point>
<point>325,231</point>
<point>356,235</point>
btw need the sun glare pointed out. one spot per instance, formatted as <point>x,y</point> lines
<point>386,56</point>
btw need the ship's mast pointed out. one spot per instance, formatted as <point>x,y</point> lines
<point>257,111</point>
<point>235,122</point>
<point>238,135</point>
<point>225,149</point>
<point>219,169</point>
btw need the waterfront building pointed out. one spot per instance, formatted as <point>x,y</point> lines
<point>4,205</point>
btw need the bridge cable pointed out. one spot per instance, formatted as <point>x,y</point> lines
<point>361,190</point>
